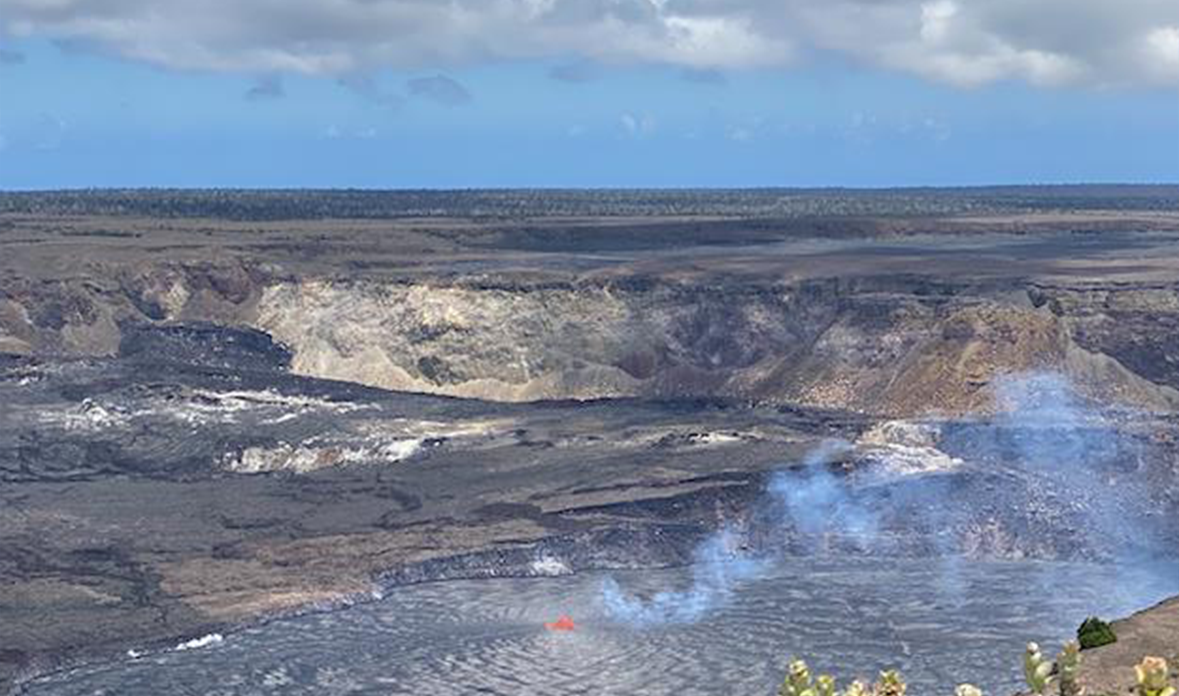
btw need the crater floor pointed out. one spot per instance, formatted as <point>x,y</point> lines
<point>941,623</point>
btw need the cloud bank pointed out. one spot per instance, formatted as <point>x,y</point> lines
<point>961,42</point>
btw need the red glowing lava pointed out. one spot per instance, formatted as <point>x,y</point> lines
<point>563,623</point>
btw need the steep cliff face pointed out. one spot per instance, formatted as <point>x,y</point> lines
<point>83,311</point>
<point>902,345</point>
<point>1135,324</point>
<point>892,346</point>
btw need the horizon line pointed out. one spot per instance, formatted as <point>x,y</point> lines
<point>621,189</point>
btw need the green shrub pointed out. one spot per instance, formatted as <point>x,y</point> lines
<point>1094,633</point>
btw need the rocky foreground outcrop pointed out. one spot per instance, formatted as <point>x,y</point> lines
<point>1154,631</point>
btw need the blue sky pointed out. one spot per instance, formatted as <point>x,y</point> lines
<point>78,110</point>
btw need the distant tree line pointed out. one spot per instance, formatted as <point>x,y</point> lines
<point>507,204</point>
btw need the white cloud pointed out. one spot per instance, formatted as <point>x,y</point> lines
<point>739,134</point>
<point>954,47</point>
<point>963,42</point>
<point>637,125</point>
<point>936,18</point>
<point>334,132</point>
<point>1161,53</point>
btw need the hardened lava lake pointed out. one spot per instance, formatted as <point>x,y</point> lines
<point>941,621</point>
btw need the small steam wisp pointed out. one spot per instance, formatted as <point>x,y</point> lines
<point>719,565</point>
<point>821,506</point>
